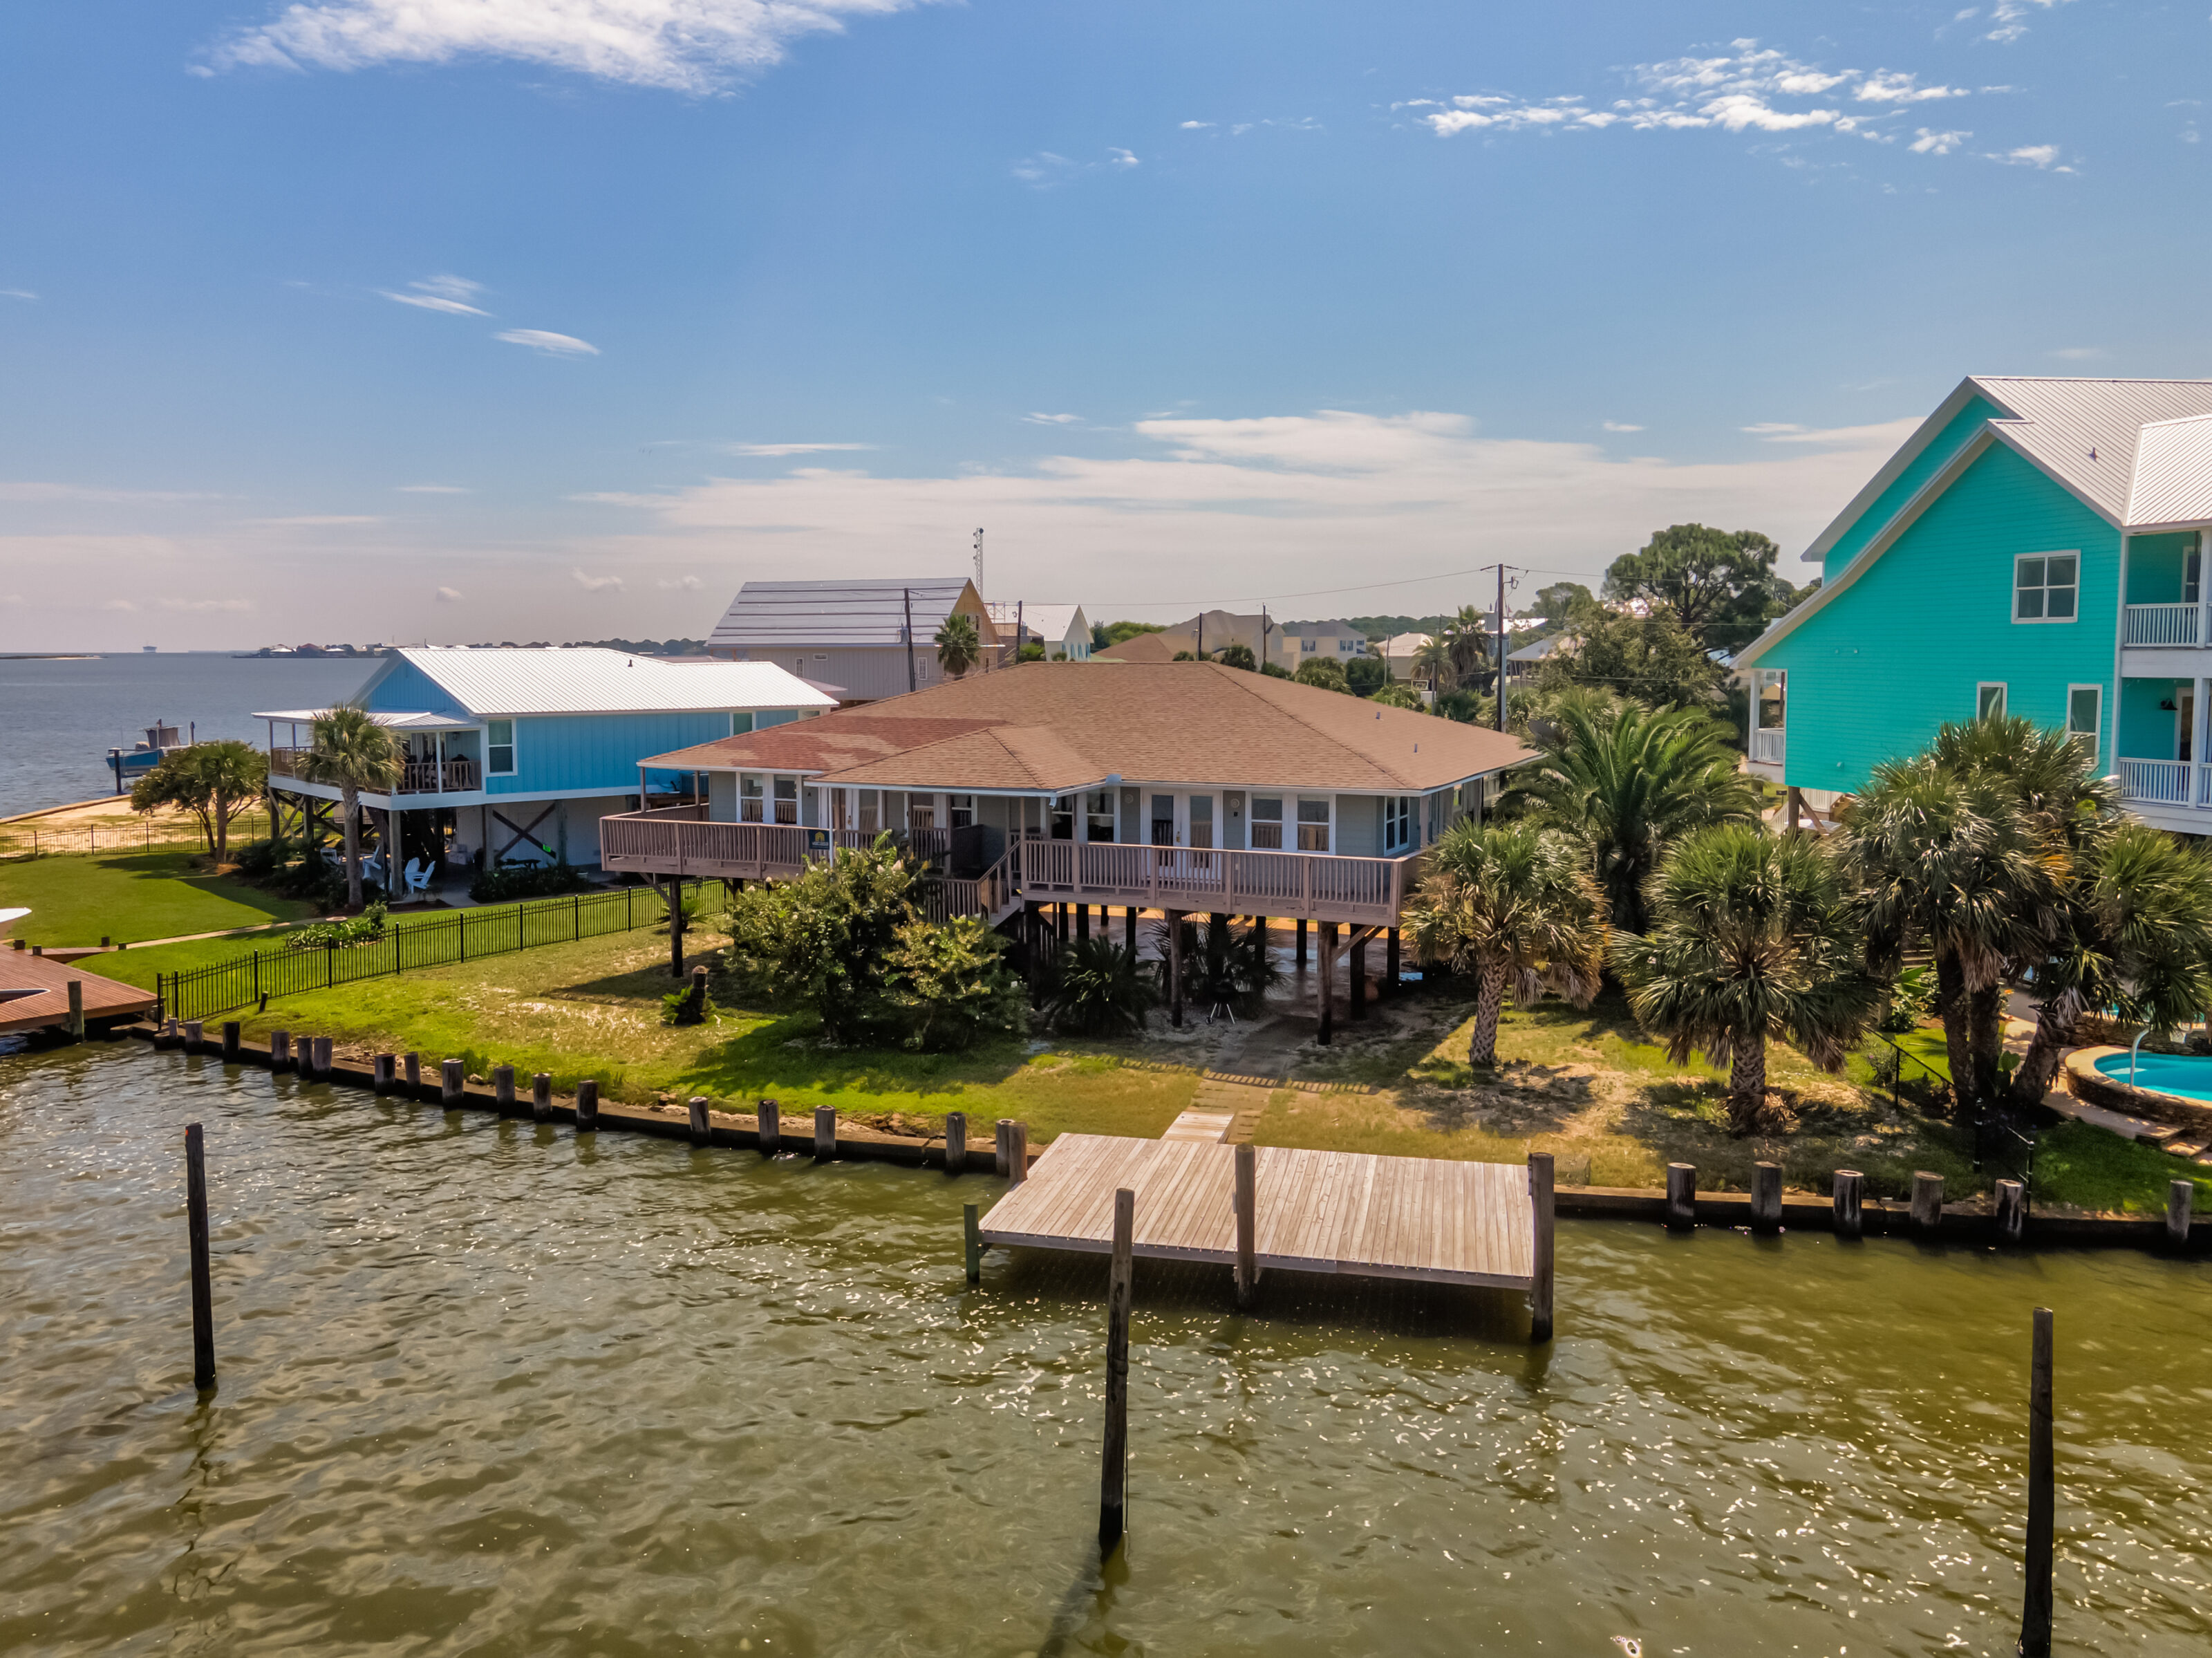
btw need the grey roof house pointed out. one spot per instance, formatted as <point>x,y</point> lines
<point>870,639</point>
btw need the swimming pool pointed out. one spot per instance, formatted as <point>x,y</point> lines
<point>2183,1074</point>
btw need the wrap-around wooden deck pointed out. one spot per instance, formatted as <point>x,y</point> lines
<point>1317,1211</point>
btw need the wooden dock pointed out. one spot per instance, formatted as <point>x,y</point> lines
<point>1316,1211</point>
<point>35,993</point>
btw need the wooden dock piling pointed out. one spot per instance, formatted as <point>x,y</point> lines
<point>1018,1153</point>
<point>587,1103</point>
<point>1681,1197</point>
<point>1114,1477</point>
<point>1246,1202</point>
<point>1927,1202</point>
<point>452,1077</point>
<point>321,1050</point>
<point>1850,1201</point>
<point>955,1141</point>
<point>280,1051</point>
<point>702,1126</point>
<point>825,1133</point>
<point>231,1039</point>
<point>1765,1197</point>
<point>2180,1195</point>
<point>1005,1127</point>
<point>195,1032</point>
<point>770,1130</point>
<point>73,1021</point>
<point>196,1222</point>
<point>1543,1204</point>
<point>2042,1498</point>
<point>502,1088</point>
<point>413,1063</point>
<point>2012,1210</point>
<point>541,1095</point>
<point>381,1072</point>
<point>971,1222</point>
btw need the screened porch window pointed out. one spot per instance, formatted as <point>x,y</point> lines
<point>1098,817</point>
<point>1266,823</point>
<point>962,810</point>
<point>1397,822</point>
<point>748,798</point>
<point>1313,826</point>
<point>787,800</point>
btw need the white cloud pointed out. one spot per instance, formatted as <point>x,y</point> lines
<point>2007,15</point>
<point>683,584</point>
<point>1937,143</point>
<point>207,604</point>
<point>2032,156</point>
<point>1120,158</point>
<point>1619,426</point>
<point>1052,419</point>
<point>449,595</point>
<point>430,489</point>
<point>30,492</point>
<point>17,293</point>
<point>1046,170</point>
<point>549,344</point>
<point>451,295</point>
<point>1739,111</point>
<point>1885,87</point>
<point>1196,126</point>
<point>1773,429</point>
<point>2080,353</point>
<point>685,46</point>
<point>596,583</point>
<point>790,448</point>
<point>117,604</point>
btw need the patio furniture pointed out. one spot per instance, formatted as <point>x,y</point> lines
<point>417,877</point>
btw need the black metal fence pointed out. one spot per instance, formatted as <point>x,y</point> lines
<point>433,941</point>
<point>2004,1150</point>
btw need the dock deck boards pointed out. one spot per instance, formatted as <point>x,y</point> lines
<point>1319,1212</point>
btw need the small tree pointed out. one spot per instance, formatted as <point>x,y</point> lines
<point>213,780</point>
<point>1653,660</point>
<point>959,646</point>
<point>1324,672</point>
<point>1238,655</point>
<point>1100,989</point>
<point>351,753</point>
<point>1398,696</point>
<point>1514,905</point>
<point>1752,940</point>
<point>1719,584</point>
<point>1366,675</point>
<point>952,981</point>
<point>829,938</point>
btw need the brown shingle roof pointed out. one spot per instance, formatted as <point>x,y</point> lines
<point>1061,725</point>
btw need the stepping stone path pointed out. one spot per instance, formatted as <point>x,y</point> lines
<point>1225,1110</point>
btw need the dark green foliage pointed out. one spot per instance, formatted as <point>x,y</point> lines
<point>1221,963</point>
<point>1561,601</point>
<point>1237,656</point>
<point>1275,671</point>
<point>1325,673</point>
<point>952,985</point>
<point>213,780</point>
<point>828,939</point>
<point>1652,659</point>
<point>1366,675</point>
<point>1910,1000</point>
<point>1112,633</point>
<point>1468,707</point>
<point>1719,585</point>
<point>1399,696</point>
<point>1033,652</point>
<point>527,881</point>
<point>1100,989</point>
<point>362,928</point>
<point>691,1005</point>
<point>258,860</point>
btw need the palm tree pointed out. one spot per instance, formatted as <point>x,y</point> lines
<point>2136,939</point>
<point>1514,904</point>
<point>1433,662</point>
<point>959,647</point>
<point>1626,781</point>
<point>351,753</point>
<point>1467,642</point>
<point>1753,940</point>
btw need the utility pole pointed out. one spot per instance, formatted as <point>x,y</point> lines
<point>1500,721</point>
<point>907,595</point>
<point>979,563</point>
<point>1267,629</point>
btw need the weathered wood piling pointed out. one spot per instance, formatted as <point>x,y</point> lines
<point>280,1051</point>
<point>587,1103</point>
<point>1544,1246</point>
<point>413,1063</point>
<point>1004,1129</point>
<point>2180,1196</point>
<point>955,1141</point>
<point>502,1089</point>
<point>2042,1497</point>
<point>769,1127</point>
<point>1681,1197</point>
<point>381,1072</point>
<point>972,1223</point>
<point>541,1096</point>
<point>1114,1476</point>
<point>701,1126</point>
<point>1246,1204</point>
<point>232,1037</point>
<point>1850,1201</point>
<point>825,1133</point>
<point>1017,1152</point>
<point>1927,1202</point>
<point>2012,1210</point>
<point>1765,1197</point>
<point>195,1227</point>
<point>453,1078</point>
<point>319,1050</point>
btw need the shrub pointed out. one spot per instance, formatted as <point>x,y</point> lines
<point>953,986</point>
<point>1399,696</point>
<point>258,860</point>
<point>1275,671</point>
<point>1237,656</point>
<point>689,1006</point>
<point>528,881</point>
<point>1219,964</point>
<point>828,938</point>
<point>364,927</point>
<point>1366,675</point>
<point>1324,672</point>
<point>1910,999</point>
<point>1100,989</point>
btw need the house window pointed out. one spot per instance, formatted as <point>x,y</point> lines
<point>1266,823</point>
<point>1098,817</point>
<point>499,748</point>
<point>1397,822</point>
<point>1989,701</point>
<point>749,799</point>
<point>2192,573</point>
<point>1773,688</point>
<point>962,809</point>
<point>787,800</point>
<point>2045,586</point>
<point>2085,713</point>
<point>741,721</point>
<point>871,810</point>
<point>1063,818</point>
<point>1313,826</point>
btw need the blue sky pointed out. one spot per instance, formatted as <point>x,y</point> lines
<point>482,319</point>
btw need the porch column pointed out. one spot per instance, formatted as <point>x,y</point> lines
<point>1390,969</point>
<point>1129,912</point>
<point>2200,721</point>
<point>1175,968</point>
<point>1359,974</point>
<point>1327,988</point>
<point>1083,921</point>
<point>1302,942</point>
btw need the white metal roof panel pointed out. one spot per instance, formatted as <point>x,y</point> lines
<point>587,679</point>
<point>2085,432</point>
<point>782,615</point>
<point>2173,472</point>
<point>1051,622</point>
<point>386,718</point>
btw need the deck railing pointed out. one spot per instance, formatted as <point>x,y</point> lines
<point>1769,747</point>
<point>2159,624</point>
<point>452,776</point>
<point>1289,884</point>
<point>2157,783</point>
<point>682,840</point>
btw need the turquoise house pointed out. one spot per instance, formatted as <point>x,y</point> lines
<point>514,755</point>
<point>2036,548</point>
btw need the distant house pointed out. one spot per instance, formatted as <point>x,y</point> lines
<point>1293,646</point>
<point>1522,664</point>
<point>872,639</point>
<point>1145,648</point>
<point>1401,653</point>
<point>1176,786</point>
<point>1062,630</point>
<point>516,754</point>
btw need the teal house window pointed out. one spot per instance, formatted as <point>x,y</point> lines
<point>2044,586</point>
<point>1989,701</point>
<point>2085,713</point>
<point>499,748</point>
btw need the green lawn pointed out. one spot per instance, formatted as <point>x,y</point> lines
<point>131,897</point>
<point>2091,1168</point>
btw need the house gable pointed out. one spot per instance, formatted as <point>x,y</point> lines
<point>1865,519</point>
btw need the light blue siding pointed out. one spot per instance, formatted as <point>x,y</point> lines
<point>406,689</point>
<point>1359,825</point>
<point>1957,433</point>
<point>1901,651</point>
<point>555,752</point>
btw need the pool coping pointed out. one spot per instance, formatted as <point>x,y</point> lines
<point>1973,1222</point>
<point>2080,1068</point>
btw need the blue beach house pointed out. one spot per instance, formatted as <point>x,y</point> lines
<point>2036,547</point>
<point>514,755</point>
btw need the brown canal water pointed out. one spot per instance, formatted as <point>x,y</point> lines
<point>492,1388</point>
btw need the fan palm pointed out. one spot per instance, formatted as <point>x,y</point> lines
<point>1433,661</point>
<point>1753,940</point>
<point>1514,905</point>
<point>1466,641</point>
<point>1626,781</point>
<point>350,752</point>
<point>959,647</point>
<point>1100,989</point>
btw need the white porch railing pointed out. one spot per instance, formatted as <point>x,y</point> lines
<point>2160,782</point>
<point>1315,886</point>
<point>2159,624</point>
<point>1768,747</point>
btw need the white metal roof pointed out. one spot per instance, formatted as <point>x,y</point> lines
<point>587,679</point>
<point>2174,473</point>
<point>1053,622</point>
<point>782,615</point>
<point>379,716</point>
<point>2087,433</point>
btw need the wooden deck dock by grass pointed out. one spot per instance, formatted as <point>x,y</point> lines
<point>1446,1222</point>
